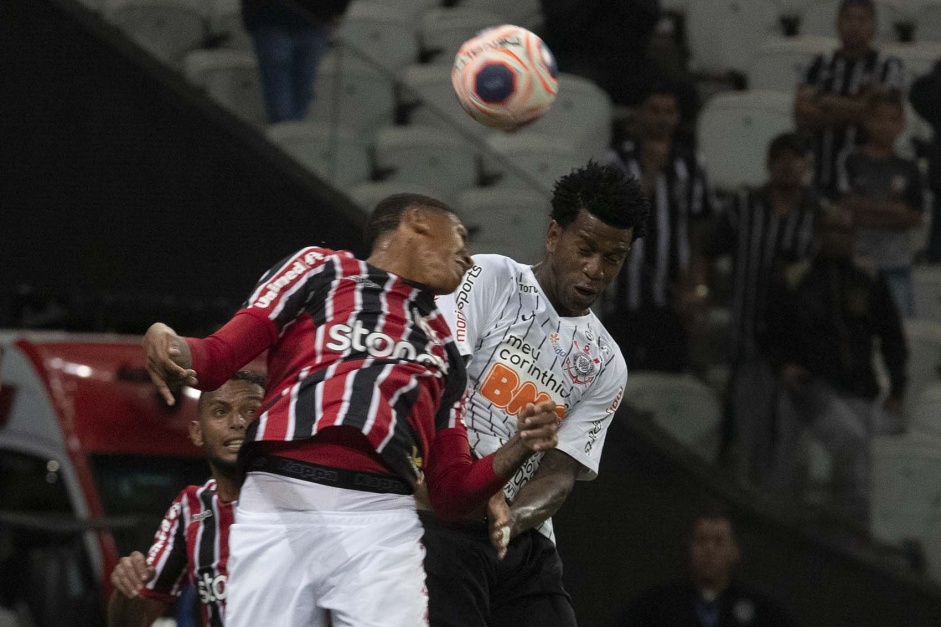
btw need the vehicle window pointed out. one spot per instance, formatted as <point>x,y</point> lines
<point>31,484</point>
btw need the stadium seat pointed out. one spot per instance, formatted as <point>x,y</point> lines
<point>819,18</point>
<point>424,156</point>
<point>724,34</point>
<point>581,115</point>
<point>925,418</point>
<point>226,27</point>
<point>529,160</point>
<point>928,23</point>
<point>525,13</point>
<point>684,406</point>
<point>906,483</point>
<point>230,77</point>
<point>368,193</point>
<point>508,222</point>
<point>734,130</point>
<point>780,63</point>
<point>924,346</point>
<point>927,282</point>
<point>413,8</point>
<point>339,155</point>
<point>428,89</point>
<point>352,93</point>
<point>931,542</point>
<point>380,33</point>
<point>444,29</point>
<point>167,29</point>
<point>918,58</point>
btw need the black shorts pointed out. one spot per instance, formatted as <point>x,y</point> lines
<point>469,587</point>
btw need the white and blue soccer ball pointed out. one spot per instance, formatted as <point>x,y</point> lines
<point>505,77</point>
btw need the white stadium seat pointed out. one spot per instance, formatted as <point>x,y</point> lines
<point>684,406</point>
<point>424,156</point>
<point>429,88</point>
<point>734,130</point>
<point>781,62</point>
<point>167,29</point>
<point>444,29</point>
<point>368,193</point>
<point>230,77</point>
<point>381,33</point>
<point>225,23</point>
<point>925,418</point>
<point>508,222</point>
<point>525,13</point>
<point>924,348</point>
<point>413,9</point>
<point>819,18</point>
<point>724,34</point>
<point>581,114</point>
<point>338,155</point>
<point>928,23</point>
<point>906,484</point>
<point>927,285</point>
<point>530,161</point>
<point>352,93</point>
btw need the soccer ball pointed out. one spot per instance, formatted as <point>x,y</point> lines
<point>505,77</point>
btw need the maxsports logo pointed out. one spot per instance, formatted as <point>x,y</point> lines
<point>379,345</point>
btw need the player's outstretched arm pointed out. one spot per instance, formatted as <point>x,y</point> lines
<point>544,494</point>
<point>536,432</point>
<point>126,607</point>
<point>169,362</point>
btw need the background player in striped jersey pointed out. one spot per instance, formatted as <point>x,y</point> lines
<point>531,337</point>
<point>192,544</point>
<point>365,395</point>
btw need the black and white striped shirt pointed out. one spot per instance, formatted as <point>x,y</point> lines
<point>758,240</point>
<point>660,259</point>
<point>834,74</point>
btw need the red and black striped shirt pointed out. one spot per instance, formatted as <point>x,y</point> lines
<point>192,544</point>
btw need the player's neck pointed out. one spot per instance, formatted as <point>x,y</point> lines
<point>227,484</point>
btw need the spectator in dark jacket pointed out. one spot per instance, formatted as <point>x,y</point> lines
<point>925,96</point>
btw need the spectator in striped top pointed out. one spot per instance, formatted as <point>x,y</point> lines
<point>887,195</point>
<point>661,293</point>
<point>831,102</point>
<point>365,397</point>
<point>191,545</point>
<point>760,229</point>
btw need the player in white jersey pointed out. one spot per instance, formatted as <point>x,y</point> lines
<point>531,337</point>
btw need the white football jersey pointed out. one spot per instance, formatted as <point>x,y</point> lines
<point>521,351</point>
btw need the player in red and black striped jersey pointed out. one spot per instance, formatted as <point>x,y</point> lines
<point>191,545</point>
<point>365,396</point>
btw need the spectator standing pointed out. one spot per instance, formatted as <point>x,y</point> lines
<point>925,96</point>
<point>711,595</point>
<point>886,194</point>
<point>823,318</point>
<point>831,101</point>
<point>661,292</point>
<point>290,39</point>
<point>760,229</point>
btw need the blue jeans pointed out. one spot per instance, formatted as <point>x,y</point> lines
<point>902,288</point>
<point>287,60</point>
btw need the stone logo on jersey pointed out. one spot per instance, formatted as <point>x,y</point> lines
<point>581,364</point>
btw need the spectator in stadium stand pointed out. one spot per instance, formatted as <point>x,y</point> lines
<point>831,101</point>
<point>605,41</point>
<point>365,396</point>
<point>710,595</point>
<point>925,96</point>
<point>191,546</point>
<point>825,316</point>
<point>659,299</point>
<point>290,38</point>
<point>760,229</point>
<point>529,333</point>
<point>886,194</point>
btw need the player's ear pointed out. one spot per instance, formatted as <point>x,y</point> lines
<point>196,433</point>
<point>553,234</point>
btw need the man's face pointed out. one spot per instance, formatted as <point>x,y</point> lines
<point>857,27</point>
<point>583,259</point>
<point>713,551</point>
<point>223,416</point>
<point>659,116</point>
<point>443,254</point>
<point>789,169</point>
<point>884,123</point>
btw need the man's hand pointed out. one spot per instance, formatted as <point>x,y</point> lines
<point>500,520</point>
<point>131,573</point>
<point>793,377</point>
<point>537,426</point>
<point>168,360</point>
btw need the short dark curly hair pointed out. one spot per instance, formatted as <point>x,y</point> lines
<point>605,191</point>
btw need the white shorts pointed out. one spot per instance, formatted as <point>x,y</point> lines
<point>307,555</point>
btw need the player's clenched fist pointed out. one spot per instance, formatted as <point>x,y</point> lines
<point>131,573</point>
<point>537,426</point>
<point>168,360</point>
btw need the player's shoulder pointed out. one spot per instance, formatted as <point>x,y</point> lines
<point>497,264</point>
<point>608,346</point>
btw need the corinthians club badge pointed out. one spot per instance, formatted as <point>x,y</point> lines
<point>581,365</point>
